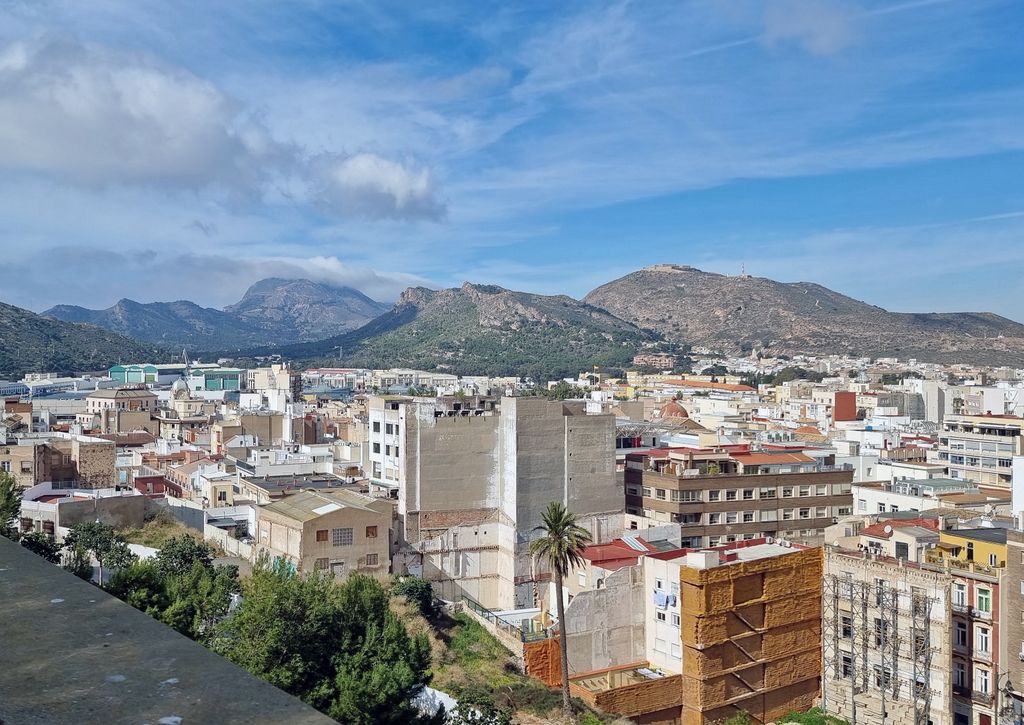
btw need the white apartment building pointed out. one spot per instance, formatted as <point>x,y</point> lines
<point>981,448</point>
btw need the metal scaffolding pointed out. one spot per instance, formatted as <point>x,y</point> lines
<point>879,639</point>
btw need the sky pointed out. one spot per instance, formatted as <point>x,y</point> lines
<point>183,150</point>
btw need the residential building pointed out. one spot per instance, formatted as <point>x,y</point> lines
<point>886,638</point>
<point>472,487</point>
<point>74,461</point>
<point>721,636</point>
<point>732,493</point>
<point>338,532</point>
<point>981,448</point>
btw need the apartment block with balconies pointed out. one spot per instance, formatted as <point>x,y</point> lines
<point>981,448</point>
<point>732,493</point>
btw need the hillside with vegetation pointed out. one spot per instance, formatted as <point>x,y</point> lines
<point>34,343</point>
<point>485,330</point>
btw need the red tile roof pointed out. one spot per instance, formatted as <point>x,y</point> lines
<point>878,531</point>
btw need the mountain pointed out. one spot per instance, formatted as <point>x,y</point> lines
<point>173,324</point>
<point>33,343</point>
<point>484,329</point>
<point>740,313</point>
<point>315,309</point>
<point>272,312</point>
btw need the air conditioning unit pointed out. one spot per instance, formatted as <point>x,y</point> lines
<point>769,540</point>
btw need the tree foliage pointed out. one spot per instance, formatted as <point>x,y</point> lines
<point>339,647</point>
<point>180,586</point>
<point>42,545</point>
<point>561,548</point>
<point>10,506</point>
<point>100,540</point>
<point>418,591</point>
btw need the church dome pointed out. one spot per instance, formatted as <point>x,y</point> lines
<point>673,409</point>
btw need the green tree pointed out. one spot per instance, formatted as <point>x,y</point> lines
<point>10,506</point>
<point>179,554</point>
<point>416,590</point>
<point>102,542</point>
<point>561,548</point>
<point>199,598</point>
<point>78,562</point>
<point>337,646</point>
<point>143,586</point>
<point>42,545</point>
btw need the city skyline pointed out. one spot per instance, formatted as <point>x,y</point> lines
<point>870,147</point>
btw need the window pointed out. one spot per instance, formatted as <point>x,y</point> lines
<point>633,490</point>
<point>222,495</point>
<point>714,495</point>
<point>659,645</point>
<point>341,537</point>
<point>883,676</point>
<point>881,508</point>
<point>767,493</point>
<point>371,559</point>
<point>686,496</point>
<point>389,428</point>
<point>844,511</point>
<point>805,490</point>
<point>787,492</point>
<point>659,493</point>
<point>321,534</point>
<point>714,519</point>
<point>730,517</point>
<point>960,595</point>
<point>376,426</point>
<point>821,512</point>
<point>821,490</point>
<point>983,639</point>
<point>960,674</point>
<point>993,560</point>
<point>660,616</point>
<point>647,491</point>
<point>677,650</point>
<point>659,584</point>
<point>583,579</point>
<point>787,514</point>
<point>805,513</point>
<point>961,634</point>
<point>881,631</point>
<point>748,494</point>
<point>985,601</point>
<point>748,517</point>
<point>376,447</point>
<point>26,466</point>
<point>730,495</point>
<point>371,532</point>
<point>970,551</point>
<point>846,626</point>
<point>320,564</point>
<point>981,680</point>
<point>846,668</point>
<point>5,466</point>
<point>675,619</point>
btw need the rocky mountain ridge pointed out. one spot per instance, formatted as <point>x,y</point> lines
<point>743,313</point>
<point>273,311</point>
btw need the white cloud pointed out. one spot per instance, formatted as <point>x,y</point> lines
<point>367,185</point>
<point>89,115</point>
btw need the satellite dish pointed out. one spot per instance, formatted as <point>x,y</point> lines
<point>887,529</point>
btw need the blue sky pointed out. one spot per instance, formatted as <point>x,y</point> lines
<point>176,150</point>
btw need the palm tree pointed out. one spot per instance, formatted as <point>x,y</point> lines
<point>561,548</point>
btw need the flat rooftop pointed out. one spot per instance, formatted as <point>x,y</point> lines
<point>74,654</point>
